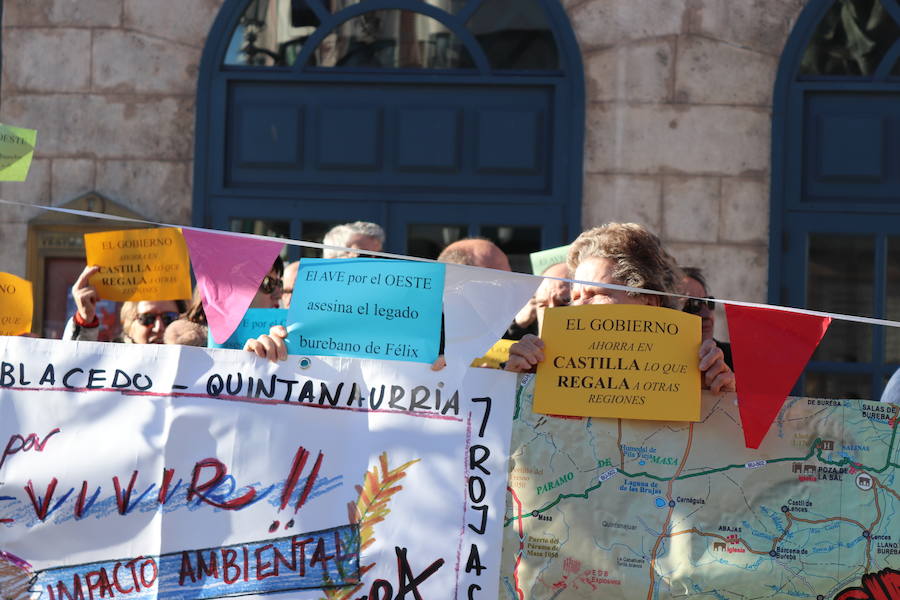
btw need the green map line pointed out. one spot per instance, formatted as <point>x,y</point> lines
<point>812,451</point>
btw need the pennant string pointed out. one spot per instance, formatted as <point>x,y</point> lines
<point>318,246</point>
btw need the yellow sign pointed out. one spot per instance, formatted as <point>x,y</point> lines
<point>499,353</point>
<point>16,305</point>
<point>620,361</point>
<point>139,264</point>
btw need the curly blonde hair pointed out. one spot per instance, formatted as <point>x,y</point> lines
<point>638,255</point>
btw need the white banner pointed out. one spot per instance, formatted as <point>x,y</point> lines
<point>176,472</point>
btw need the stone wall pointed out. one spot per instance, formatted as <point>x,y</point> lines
<point>679,118</point>
<point>678,115</point>
<point>109,85</point>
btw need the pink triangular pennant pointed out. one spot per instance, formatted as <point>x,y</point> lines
<point>229,270</point>
<point>771,348</point>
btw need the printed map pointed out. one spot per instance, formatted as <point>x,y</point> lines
<point>602,508</point>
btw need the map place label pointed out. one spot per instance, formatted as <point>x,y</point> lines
<point>608,474</point>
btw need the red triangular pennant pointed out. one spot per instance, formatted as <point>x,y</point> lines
<point>228,269</point>
<point>770,348</point>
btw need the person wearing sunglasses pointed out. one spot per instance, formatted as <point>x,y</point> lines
<point>271,287</point>
<point>143,322</point>
<point>703,306</point>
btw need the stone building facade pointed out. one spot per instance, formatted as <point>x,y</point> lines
<point>678,116</point>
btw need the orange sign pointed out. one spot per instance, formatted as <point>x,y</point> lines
<point>16,305</point>
<point>139,264</point>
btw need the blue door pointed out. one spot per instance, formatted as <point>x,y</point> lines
<point>835,220</point>
<point>434,119</point>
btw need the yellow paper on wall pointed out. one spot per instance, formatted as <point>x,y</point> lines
<point>16,305</point>
<point>620,361</point>
<point>139,264</point>
<point>498,353</point>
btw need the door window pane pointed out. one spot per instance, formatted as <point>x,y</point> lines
<point>892,300</point>
<point>427,241</point>
<point>314,231</point>
<point>451,6</point>
<point>851,39</point>
<point>514,34</point>
<point>851,386</point>
<point>271,33</point>
<point>392,39</point>
<point>516,242</point>
<point>841,276</point>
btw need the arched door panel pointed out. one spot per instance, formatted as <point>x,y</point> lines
<point>386,109</point>
<point>835,207</point>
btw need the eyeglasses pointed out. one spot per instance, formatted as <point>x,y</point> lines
<point>695,307</point>
<point>149,318</point>
<point>270,284</point>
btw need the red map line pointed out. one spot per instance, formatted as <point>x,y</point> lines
<point>521,544</point>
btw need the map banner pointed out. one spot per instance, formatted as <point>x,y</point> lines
<point>177,472</point>
<point>604,508</point>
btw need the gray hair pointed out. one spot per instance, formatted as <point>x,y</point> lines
<point>340,234</point>
<point>638,255</point>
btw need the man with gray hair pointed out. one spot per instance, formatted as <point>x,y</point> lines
<point>361,235</point>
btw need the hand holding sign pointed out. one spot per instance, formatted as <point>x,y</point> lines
<point>85,295</point>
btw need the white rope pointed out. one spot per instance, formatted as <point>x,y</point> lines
<point>304,244</point>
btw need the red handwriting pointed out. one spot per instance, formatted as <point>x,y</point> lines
<point>20,443</point>
<point>202,488</point>
<point>220,472</point>
<point>883,585</point>
<point>244,563</point>
<point>124,578</point>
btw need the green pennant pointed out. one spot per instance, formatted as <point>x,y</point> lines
<point>16,151</point>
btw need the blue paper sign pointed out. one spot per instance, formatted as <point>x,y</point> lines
<point>256,322</point>
<point>367,308</point>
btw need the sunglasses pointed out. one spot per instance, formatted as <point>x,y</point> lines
<point>695,307</point>
<point>149,318</point>
<point>270,284</point>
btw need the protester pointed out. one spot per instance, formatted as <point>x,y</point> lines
<point>290,277</point>
<point>551,293</point>
<point>694,284</point>
<point>629,255</point>
<point>268,295</point>
<point>185,333</point>
<point>891,393</point>
<point>360,235</point>
<point>477,252</point>
<point>195,312</point>
<point>143,322</point>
